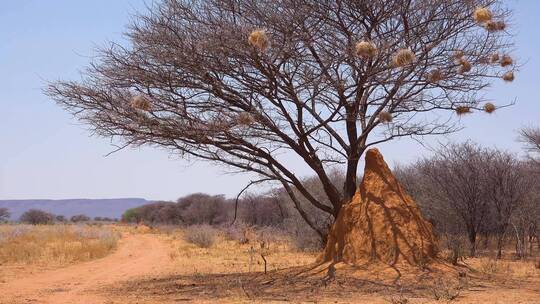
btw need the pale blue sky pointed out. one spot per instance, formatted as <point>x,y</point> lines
<point>44,153</point>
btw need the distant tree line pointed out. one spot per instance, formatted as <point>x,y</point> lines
<point>200,208</point>
<point>470,193</point>
<point>474,196</point>
<point>40,217</point>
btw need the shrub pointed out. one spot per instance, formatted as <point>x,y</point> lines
<point>492,267</point>
<point>235,232</point>
<point>4,214</point>
<point>80,218</point>
<point>456,247</point>
<point>303,237</point>
<point>37,217</point>
<point>445,290</point>
<point>131,216</point>
<point>201,235</point>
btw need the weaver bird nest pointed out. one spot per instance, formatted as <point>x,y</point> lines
<point>494,58</point>
<point>245,119</point>
<point>403,57</point>
<point>385,117</point>
<point>482,14</point>
<point>259,39</point>
<point>464,66</point>
<point>462,110</point>
<point>489,108</point>
<point>435,76</point>
<point>495,26</point>
<point>506,60</point>
<point>140,102</point>
<point>508,76</point>
<point>366,49</point>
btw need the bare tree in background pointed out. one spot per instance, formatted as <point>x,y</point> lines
<point>507,187</point>
<point>459,172</point>
<point>531,137</point>
<point>258,85</point>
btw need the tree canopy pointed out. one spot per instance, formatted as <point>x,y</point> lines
<point>246,82</point>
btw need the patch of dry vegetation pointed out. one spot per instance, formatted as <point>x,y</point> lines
<point>55,244</point>
<point>241,250</point>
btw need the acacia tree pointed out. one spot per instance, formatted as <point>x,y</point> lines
<point>248,83</point>
<point>37,217</point>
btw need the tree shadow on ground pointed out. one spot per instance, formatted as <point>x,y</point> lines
<point>292,284</point>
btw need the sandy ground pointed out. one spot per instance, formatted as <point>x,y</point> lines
<point>138,255</point>
<point>153,268</point>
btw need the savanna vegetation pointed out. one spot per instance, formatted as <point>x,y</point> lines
<point>54,244</point>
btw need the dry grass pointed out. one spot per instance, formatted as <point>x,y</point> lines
<point>57,244</point>
<point>232,271</point>
<point>506,269</point>
<point>227,254</point>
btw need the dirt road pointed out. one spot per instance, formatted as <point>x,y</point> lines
<point>138,255</point>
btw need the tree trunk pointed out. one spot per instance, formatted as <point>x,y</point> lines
<point>485,244</point>
<point>472,242</point>
<point>499,246</point>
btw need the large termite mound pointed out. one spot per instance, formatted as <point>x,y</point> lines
<point>381,223</point>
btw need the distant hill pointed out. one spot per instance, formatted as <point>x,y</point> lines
<point>112,208</point>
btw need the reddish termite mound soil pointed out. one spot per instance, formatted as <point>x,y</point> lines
<point>381,223</point>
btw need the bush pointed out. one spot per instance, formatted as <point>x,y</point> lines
<point>445,290</point>
<point>456,246</point>
<point>4,214</point>
<point>37,217</point>
<point>493,267</point>
<point>131,216</point>
<point>80,218</point>
<point>201,235</point>
<point>302,236</point>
